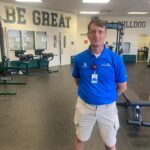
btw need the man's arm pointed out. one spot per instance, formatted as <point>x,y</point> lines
<point>121,87</point>
<point>76,81</point>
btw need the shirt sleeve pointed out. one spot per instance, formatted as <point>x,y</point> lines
<point>75,72</point>
<point>121,74</point>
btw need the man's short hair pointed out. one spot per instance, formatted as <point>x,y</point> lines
<point>97,22</point>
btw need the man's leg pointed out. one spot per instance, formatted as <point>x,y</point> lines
<point>108,123</point>
<point>84,120</point>
<point>78,145</point>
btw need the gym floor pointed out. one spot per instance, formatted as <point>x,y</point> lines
<point>40,115</point>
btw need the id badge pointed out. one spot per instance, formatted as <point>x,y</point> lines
<point>94,78</point>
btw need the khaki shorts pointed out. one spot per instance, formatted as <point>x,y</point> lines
<point>105,116</point>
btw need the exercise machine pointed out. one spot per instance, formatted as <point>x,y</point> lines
<point>133,105</point>
<point>44,58</point>
<point>5,72</point>
<point>24,59</point>
<point>120,33</point>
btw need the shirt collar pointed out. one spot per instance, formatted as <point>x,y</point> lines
<point>104,54</point>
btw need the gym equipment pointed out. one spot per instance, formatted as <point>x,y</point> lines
<point>111,47</point>
<point>24,59</point>
<point>2,45</point>
<point>4,70</point>
<point>120,32</point>
<point>44,57</point>
<point>133,104</point>
<point>4,65</point>
<point>5,79</point>
<point>7,93</point>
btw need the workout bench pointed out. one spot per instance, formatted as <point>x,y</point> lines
<point>134,103</point>
<point>45,57</point>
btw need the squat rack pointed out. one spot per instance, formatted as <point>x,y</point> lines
<point>120,32</point>
<point>4,64</point>
<point>2,44</point>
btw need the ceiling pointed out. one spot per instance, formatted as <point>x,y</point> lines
<point>113,8</point>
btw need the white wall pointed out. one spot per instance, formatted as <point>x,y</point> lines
<point>132,35</point>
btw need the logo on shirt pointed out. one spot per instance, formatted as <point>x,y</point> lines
<point>106,65</point>
<point>84,65</point>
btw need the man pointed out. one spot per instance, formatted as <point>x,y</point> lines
<point>100,75</point>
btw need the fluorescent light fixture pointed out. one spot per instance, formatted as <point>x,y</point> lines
<point>89,12</point>
<point>95,1</point>
<point>31,1</point>
<point>137,13</point>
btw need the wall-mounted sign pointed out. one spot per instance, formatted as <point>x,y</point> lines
<point>44,18</point>
<point>134,24</point>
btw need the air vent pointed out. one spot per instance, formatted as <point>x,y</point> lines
<point>105,11</point>
<point>94,17</point>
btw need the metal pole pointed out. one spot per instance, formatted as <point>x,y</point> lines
<point>2,43</point>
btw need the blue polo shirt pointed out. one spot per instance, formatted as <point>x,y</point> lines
<point>110,69</point>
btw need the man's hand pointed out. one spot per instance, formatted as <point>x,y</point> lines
<point>76,81</point>
<point>121,87</point>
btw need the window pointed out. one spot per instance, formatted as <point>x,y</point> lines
<point>41,40</point>
<point>28,40</point>
<point>14,40</point>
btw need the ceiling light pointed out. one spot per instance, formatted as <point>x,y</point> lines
<point>32,1</point>
<point>137,13</point>
<point>89,12</point>
<point>95,1</point>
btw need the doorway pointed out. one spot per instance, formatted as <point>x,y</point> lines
<point>143,48</point>
<point>62,48</point>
